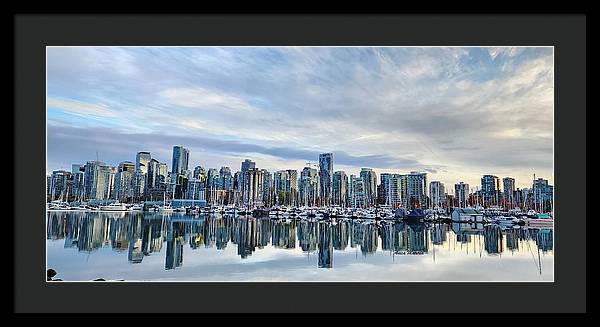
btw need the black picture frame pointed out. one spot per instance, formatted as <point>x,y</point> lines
<point>567,33</point>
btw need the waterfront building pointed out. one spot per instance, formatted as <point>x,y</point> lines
<point>48,183</point>
<point>139,183</point>
<point>199,173</point>
<point>212,179</point>
<point>195,189</point>
<point>99,180</point>
<point>391,189</point>
<point>437,194</point>
<point>253,192</point>
<point>60,185</point>
<point>78,185</point>
<point>180,161</point>
<point>267,187</point>
<point>370,186</point>
<point>508,184</point>
<point>285,185</point>
<point>543,194</point>
<point>461,194</point>
<point>141,161</point>
<point>124,181</point>
<point>357,190</point>
<point>416,190</point>
<point>247,164</point>
<point>309,186</point>
<point>325,177</point>
<point>226,179</point>
<point>151,175</point>
<point>490,190</point>
<point>340,188</point>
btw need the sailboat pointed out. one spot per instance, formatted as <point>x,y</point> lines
<point>166,207</point>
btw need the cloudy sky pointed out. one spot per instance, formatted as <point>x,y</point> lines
<point>456,113</point>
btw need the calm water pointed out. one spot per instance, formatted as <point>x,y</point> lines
<point>153,247</point>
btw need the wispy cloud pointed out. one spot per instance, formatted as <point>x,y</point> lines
<point>454,111</point>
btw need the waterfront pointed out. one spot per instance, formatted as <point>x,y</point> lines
<point>138,246</point>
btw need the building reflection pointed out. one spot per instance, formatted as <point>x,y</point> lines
<point>325,245</point>
<point>142,234</point>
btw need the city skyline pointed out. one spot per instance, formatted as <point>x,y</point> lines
<point>455,113</point>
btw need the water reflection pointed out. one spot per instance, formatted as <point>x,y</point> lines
<point>143,234</point>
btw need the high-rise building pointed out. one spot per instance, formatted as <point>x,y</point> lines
<point>247,164</point>
<point>340,190</point>
<point>437,194</point>
<point>61,185</point>
<point>543,195</point>
<point>99,180</point>
<point>152,180</point>
<point>461,194</point>
<point>253,193</point>
<point>181,157</point>
<point>357,192</point>
<point>226,179</point>
<point>267,187</point>
<point>285,186</point>
<point>199,173</point>
<point>124,180</point>
<point>309,186</point>
<point>391,187</point>
<point>212,179</point>
<point>370,185</point>
<point>78,187</point>
<point>508,184</point>
<point>325,176</point>
<point>490,190</point>
<point>141,161</point>
<point>416,190</point>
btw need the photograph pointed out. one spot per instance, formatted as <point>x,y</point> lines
<point>388,164</point>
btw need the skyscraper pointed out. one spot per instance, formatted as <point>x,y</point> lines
<point>461,193</point>
<point>212,179</point>
<point>391,187</point>
<point>78,187</point>
<point>508,184</point>
<point>141,161</point>
<point>543,195</point>
<point>99,180</point>
<point>124,180</point>
<point>181,158</point>
<point>309,186</point>
<point>253,183</point>
<point>370,185</point>
<point>416,190</point>
<point>285,186</point>
<point>61,184</point>
<point>437,194</point>
<point>490,190</point>
<point>357,190</point>
<point>267,187</point>
<point>247,164</point>
<point>199,173</point>
<point>226,180</point>
<point>340,192</point>
<point>325,176</point>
